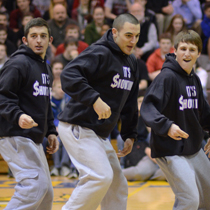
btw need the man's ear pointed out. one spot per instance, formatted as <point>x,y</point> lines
<point>174,51</point>
<point>114,32</point>
<point>51,40</point>
<point>24,40</point>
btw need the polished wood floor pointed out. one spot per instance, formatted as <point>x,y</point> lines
<point>151,195</point>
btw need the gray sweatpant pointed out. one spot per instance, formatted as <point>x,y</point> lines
<point>29,166</point>
<point>146,169</point>
<point>189,179</point>
<point>100,176</point>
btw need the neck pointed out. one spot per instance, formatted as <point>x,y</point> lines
<point>67,56</point>
<point>60,23</point>
<point>2,60</point>
<point>98,24</point>
<point>26,10</point>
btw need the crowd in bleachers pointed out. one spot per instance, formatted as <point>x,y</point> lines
<point>76,24</point>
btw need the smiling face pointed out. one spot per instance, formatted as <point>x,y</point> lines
<point>23,4</point>
<point>72,33</point>
<point>59,13</point>
<point>38,40</point>
<point>137,10</point>
<point>127,37</point>
<point>177,25</point>
<point>186,55</point>
<point>57,69</point>
<point>98,16</point>
<point>165,45</point>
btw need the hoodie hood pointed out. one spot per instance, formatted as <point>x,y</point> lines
<point>108,41</point>
<point>23,49</point>
<point>171,63</point>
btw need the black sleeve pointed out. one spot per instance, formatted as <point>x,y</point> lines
<point>10,82</point>
<point>76,77</point>
<point>143,73</point>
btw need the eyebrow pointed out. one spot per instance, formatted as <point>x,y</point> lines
<point>41,33</point>
<point>129,33</point>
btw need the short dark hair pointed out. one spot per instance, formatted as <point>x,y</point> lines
<point>27,14</point>
<point>206,5</point>
<point>56,60</point>
<point>70,40</point>
<point>188,36</point>
<point>36,22</point>
<point>165,36</point>
<point>120,20</point>
<point>72,26</point>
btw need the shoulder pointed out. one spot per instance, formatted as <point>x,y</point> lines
<point>14,13</point>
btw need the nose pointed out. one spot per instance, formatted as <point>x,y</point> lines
<point>39,39</point>
<point>187,53</point>
<point>134,40</point>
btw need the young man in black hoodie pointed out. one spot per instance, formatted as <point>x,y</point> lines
<point>26,118</point>
<point>175,108</point>
<point>103,84</point>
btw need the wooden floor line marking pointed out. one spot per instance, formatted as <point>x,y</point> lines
<point>139,189</point>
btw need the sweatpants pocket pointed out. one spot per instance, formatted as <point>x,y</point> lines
<point>75,131</point>
<point>27,183</point>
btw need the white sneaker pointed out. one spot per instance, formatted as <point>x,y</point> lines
<point>54,172</point>
<point>65,171</point>
<point>73,174</point>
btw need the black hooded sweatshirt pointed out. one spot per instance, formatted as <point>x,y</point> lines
<point>25,83</point>
<point>102,70</point>
<point>175,97</point>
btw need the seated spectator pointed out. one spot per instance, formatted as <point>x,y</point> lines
<point>58,24</point>
<point>205,25</point>
<point>93,4</point>
<point>93,29</point>
<point>176,25</point>
<point>57,68</point>
<point>10,33</point>
<point>139,166</point>
<point>70,52</point>
<point>42,5</point>
<point>163,12</point>
<point>3,55</point>
<point>105,27</point>
<point>190,11</point>
<point>11,48</point>
<point>82,15</point>
<point>157,58</point>
<point>148,13</point>
<point>49,12</point>
<point>26,18</point>
<point>113,8</point>
<point>60,158</point>
<point>24,6</point>
<point>72,30</point>
<point>203,75</point>
<point>148,37</point>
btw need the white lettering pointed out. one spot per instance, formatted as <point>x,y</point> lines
<point>121,83</point>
